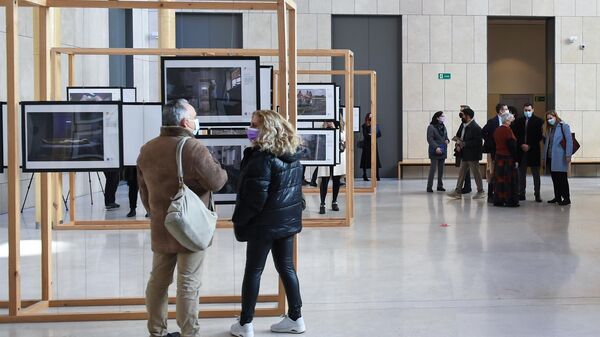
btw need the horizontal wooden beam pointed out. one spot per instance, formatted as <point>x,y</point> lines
<point>196,5</point>
<point>104,302</point>
<point>335,72</point>
<point>198,52</point>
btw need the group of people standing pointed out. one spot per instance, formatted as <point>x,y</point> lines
<point>512,145</point>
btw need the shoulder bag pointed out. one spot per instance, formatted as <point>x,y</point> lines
<point>190,222</point>
<point>563,142</point>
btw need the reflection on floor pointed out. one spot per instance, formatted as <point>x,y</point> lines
<point>413,264</point>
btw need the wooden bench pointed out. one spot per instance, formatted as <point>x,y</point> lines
<point>423,162</point>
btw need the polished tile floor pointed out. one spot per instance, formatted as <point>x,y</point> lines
<point>414,264</point>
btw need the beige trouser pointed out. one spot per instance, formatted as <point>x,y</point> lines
<point>189,273</point>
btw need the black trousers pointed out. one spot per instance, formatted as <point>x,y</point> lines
<point>561,184</point>
<point>256,256</point>
<point>110,188</point>
<point>336,186</point>
<point>133,190</point>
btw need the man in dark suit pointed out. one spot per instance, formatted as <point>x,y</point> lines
<point>528,130</point>
<point>470,148</point>
<point>489,145</point>
<point>467,186</point>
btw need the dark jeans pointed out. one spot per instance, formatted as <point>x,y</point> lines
<point>110,188</point>
<point>439,164</point>
<point>535,172</point>
<point>561,184</point>
<point>336,187</point>
<point>256,256</point>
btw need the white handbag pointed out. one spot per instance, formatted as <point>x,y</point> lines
<point>190,222</point>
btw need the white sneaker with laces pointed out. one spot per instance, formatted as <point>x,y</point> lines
<point>246,330</point>
<point>287,325</point>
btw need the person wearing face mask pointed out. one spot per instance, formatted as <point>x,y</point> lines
<point>528,130</point>
<point>490,148</point>
<point>556,158</point>
<point>469,146</point>
<point>268,214</point>
<point>505,164</point>
<point>158,181</point>
<point>333,173</point>
<point>365,156</point>
<point>466,188</point>
<point>437,138</point>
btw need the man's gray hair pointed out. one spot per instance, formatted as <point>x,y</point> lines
<point>174,112</point>
<point>506,116</point>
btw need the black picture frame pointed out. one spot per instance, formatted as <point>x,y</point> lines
<point>331,161</point>
<point>326,117</point>
<point>121,91</point>
<point>263,106</point>
<point>241,120</point>
<point>24,156</point>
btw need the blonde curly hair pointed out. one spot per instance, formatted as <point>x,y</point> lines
<point>276,135</point>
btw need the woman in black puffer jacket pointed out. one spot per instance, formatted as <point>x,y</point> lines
<point>268,213</point>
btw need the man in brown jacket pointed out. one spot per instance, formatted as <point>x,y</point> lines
<point>157,178</point>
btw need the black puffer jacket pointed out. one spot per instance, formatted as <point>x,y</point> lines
<point>269,198</point>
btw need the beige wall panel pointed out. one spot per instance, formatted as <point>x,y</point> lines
<point>404,39</point>
<point>558,40</point>
<point>564,7</point>
<point>259,30</point>
<point>499,7</point>
<point>433,7</point>
<point>307,34</point>
<point>590,137</point>
<point>412,86</point>
<point>543,7</point>
<point>571,26</point>
<point>418,38</point>
<point>591,37</point>
<point>26,79</point>
<point>441,39</point>
<point>433,88</point>
<point>480,38</point>
<point>477,7</point>
<point>462,39</point>
<point>456,88</point>
<point>303,7</point>
<point>585,86</point>
<point>25,21</point>
<point>389,7</point>
<point>324,36</point>
<point>417,134</point>
<point>365,7</point>
<point>477,86</point>
<point>342,6</point>
<point>585,7</point>
<point>456,7</point>
<point>565,87</point>
<point>521,7</point>
<point>575,121</point>
<point>319,6</point>
<point>411,6</point>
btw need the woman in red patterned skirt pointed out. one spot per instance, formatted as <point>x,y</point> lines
<point>505,166</point>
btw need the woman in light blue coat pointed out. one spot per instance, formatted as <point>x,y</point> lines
<point>556,157</point>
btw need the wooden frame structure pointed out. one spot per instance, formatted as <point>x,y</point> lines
<point>20,311</point>
<point>373,83</point>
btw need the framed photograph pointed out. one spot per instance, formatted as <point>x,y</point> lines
<point>316,101</point>
<point>338,101</point>
<point>102,94</point>
<point>318,147</point>
<point>355,118</point>
<point>227,150</point>
<point>266,87</point>
<point>4,135</point>
<point>71,136</point>
<point>226,131</point>
<point>223,90</point>
<point>141,123</point>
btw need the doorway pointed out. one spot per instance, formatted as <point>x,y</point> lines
<point>521,63</point>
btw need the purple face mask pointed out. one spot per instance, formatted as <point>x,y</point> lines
<point>252,134</point>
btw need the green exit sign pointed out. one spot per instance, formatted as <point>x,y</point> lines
<point>444,76</point>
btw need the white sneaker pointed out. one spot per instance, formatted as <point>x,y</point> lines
<point>287,325</point>
<point>480,195</point>
<point>246,330</point>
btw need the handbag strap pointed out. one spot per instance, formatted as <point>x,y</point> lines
<point>178,155</point>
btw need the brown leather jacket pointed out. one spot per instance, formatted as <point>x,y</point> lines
<point>157,178</point>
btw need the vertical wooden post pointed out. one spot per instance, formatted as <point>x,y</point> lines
<point>166,36</point>
<point>282,23</point>
<point>293,67</point>
<point>275,89</point>
<point>349,86</point>
<point>42,22</point>
<point>12,104</point>
<point>374,129</point>
<point>56,91</point>
<point>72,175</point>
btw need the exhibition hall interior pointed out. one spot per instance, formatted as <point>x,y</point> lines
<point>444,181</point>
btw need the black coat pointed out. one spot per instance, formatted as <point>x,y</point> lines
<point>489,146</point>
<point>365,156</point>
<point>472,149</point>
<point>269,198</point>
<point>534,137</point>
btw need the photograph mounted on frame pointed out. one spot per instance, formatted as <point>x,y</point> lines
<point>223,90</point>
<point>317,147</point>
<point>266,87</point>
<point>141,123</point>
<point>316,101</point>
<point>355,117</point>
<point>227,150</point>
<point>70,137</point>
<point>101,94</point>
